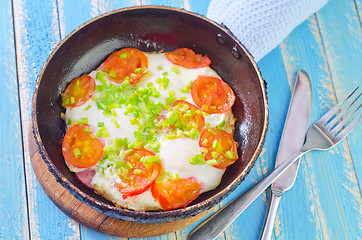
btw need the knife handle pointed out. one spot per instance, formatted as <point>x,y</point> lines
<point>270,217</point>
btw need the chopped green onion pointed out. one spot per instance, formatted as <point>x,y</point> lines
<point>125,83</point>
<point>165,82</point>
<point>203,150</point>
<point>138,70</point>
<point>212,162</point>
<point>215,144</point>
<point>171,93</point>
<point>77,153</point>
<point>221,125</point>
<point>170,99</point>
<point>100,75</point>
<point>197,159</point>
<point>165,74</point>
<point>137,171</point>
<point>175,176</point>
<point>86,129</point>
<point>123,55</point>
<point>214,154</point>
<point>72,100</point>
<point>112,74</point>
<point>100,124</point>
<point>84,120</point>
<point>88,107</point>
<point>176,70</point>
<point>230,155</point>
<point>115,122</point>
<point>159,68</point>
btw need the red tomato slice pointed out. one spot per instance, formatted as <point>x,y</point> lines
<point>173,194</point>
<point>81,148</point>
<point>128,62</point>
<point>79,91</point>
<point>212,94</point>
<point>187,58</point>
<point>140,177</point>
<point>185,118</point>
<point>220,146</point>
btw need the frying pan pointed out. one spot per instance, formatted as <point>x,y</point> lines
<point>150,28</point>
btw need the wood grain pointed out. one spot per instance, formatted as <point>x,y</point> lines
<point>13,206</point>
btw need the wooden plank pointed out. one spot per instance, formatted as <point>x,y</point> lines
<point>13,206</point>
<point>326,190</point>
<point>344,56</point>
<point>37,33</point>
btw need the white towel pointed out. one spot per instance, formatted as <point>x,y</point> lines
<point>260,25</point>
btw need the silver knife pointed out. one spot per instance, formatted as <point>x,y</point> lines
<point>295,128</point>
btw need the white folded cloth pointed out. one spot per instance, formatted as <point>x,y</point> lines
<point>260,25</point>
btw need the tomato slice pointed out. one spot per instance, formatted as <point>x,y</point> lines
<point>187,58</point>
<point>79,91</point>
<point>81,148</point>
<point>125,63</point>
<point>220,146</point>
<point>187,115</point>
<point>212,94</point>
<point>139,178</point>
<point>173,194</point>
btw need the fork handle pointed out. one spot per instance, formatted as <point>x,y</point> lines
<point>217,223</point>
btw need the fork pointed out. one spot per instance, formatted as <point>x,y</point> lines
<point>324,134</point>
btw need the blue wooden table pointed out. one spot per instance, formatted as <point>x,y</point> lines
<point>325,202</point>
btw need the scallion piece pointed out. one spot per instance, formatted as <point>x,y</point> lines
<point>215,144</point>
<point>123,55</point>
<point>100,75</point>
<point>125,83</point>
<point>212,162</point>
<point>77,153</point>
<point>198,159</point>
<point>230,155</point>
<point>115,122</point>
<point>138,70</point>
<point>112,74</point>
<point>137,171</point>
<point>88,107</point>
<point>84,120</point>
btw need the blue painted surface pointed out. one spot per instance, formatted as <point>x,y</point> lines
<point>325,202</point>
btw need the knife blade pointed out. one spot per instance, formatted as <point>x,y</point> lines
<point>293,136</point>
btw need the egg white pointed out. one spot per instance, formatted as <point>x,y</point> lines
<point>174,154</point>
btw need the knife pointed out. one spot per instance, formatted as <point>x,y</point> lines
<point>295,128</point>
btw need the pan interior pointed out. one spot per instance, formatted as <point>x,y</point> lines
<point>152,29</point>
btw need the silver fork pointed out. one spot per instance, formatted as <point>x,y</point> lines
<point>322,135</point>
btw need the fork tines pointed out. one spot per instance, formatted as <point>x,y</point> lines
<point>338,121</point>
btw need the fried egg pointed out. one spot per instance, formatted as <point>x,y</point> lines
<point>174,153</point>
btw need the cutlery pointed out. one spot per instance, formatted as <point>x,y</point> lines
<point>295,128</point>
<point>329,130</point>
